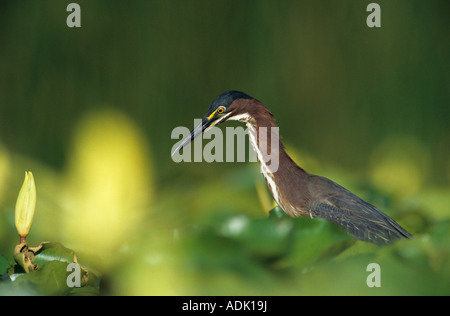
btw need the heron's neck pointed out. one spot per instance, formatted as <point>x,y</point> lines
<point>276,165</point>
<point>263,134</point>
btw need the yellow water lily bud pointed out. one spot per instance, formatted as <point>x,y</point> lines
<point>25,206</point>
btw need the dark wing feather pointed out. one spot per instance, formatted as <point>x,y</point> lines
<point>361,219</point>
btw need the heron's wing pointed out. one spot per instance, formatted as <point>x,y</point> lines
<point>361,219</point>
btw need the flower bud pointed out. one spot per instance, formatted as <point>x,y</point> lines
<point>25,206</point>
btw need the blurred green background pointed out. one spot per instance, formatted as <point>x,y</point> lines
<point>90,111</point>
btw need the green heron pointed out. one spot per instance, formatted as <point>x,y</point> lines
<point>296,191</point>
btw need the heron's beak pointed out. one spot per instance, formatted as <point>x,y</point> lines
<point>204,125</point>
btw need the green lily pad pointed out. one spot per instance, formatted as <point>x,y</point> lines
<point>32,258</point>
<point>53,251</point>
<point>24,256</point>
<point>4,267</point>
<point>315,239</point>
<point>47,271</point>
<point>311,239</point>
<point>267,238</point>
<point>277,212</point>
<point>50,279</point>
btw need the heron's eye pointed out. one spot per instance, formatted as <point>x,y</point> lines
<point>220,110</point>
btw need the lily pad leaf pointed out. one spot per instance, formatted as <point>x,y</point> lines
<point>53,251</point>
<point>4,267</point>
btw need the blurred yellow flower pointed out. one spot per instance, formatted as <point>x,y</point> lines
<point>25,206</point>
<point>399,166</point>
<point>109,185</point>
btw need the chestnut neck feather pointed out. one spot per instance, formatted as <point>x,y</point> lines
<point>256,116</point>
<point>285,182</point>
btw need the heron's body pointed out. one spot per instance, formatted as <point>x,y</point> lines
<point>297,192</point>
